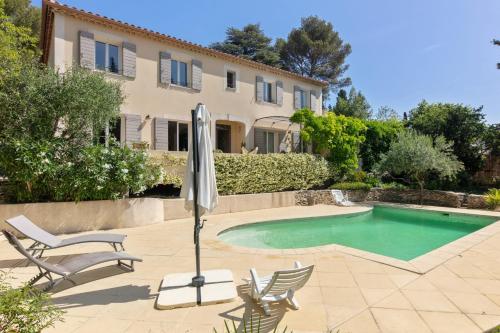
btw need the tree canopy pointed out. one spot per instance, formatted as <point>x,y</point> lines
<point>415,157</point>
<point>337,136</point>
<point>464,126</point>
<point>352,105</point>
<point>316,50</point>
<point>22,14</point>
<point>379,137</point>
<point>386,113</point>
<point>17,46</point>
<point>250,43</point>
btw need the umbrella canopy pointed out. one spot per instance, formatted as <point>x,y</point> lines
<point>207,188</point>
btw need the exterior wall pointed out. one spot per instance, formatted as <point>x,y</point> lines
<point>146,96</point>
<point>70,217</point>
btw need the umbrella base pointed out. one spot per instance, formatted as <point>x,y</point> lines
<point>177,291</point>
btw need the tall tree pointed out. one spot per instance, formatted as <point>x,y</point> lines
<point>22,14</point>
<point>352,105</point>
<point>250,43</point>
<point>316,50</point>
<point>414,157</point>
<point>17,46</point>
<point>386,113</point>
<point>464,126</point>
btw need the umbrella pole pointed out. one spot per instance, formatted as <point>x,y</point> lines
<point>198,281</point>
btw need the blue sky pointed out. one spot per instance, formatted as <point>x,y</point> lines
<point>402,51</point>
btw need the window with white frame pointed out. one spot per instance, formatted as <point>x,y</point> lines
<point>179,73</point>
<point>106,57</point>
<point>177,136</point>
<point>268,92</point>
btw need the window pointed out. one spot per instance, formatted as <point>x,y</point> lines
<point>303,99</point>
<point>177,136</point>
<point>106,57</point>
<point>230,80</point>
<point>179,73</point>
<point>183,137</point>
<point>268,92</point>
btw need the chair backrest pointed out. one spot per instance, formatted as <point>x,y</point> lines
<point>338,196</point>
<point>290,279</point>
<point>19,247</point>
<point>24,225</point>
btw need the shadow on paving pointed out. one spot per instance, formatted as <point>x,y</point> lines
<point>122,294</point>
<point>254,316</point>
<point>87,276</point>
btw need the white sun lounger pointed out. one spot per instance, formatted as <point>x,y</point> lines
<point>340,199</point>
<point>44,240</point>
<point>279,286</point>
<point>70,266</point>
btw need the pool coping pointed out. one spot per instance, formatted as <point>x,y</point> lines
<point>420,265</point>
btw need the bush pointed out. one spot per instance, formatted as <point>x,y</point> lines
<point>345,186</point>
<point>493,198</point>
<point>25,309</point>
<point>45,171</point>
<point>260,173</point>
<point>394,186</point>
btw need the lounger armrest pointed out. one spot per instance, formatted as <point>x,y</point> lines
<point>298,264</point>
<point>255,280</point>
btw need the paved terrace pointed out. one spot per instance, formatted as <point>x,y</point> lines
<point>345,293</point>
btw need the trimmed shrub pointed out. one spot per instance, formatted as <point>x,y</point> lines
<point>46,171</point>
<point>260,173</point>
<point>345,186</point>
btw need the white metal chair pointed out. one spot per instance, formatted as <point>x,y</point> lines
<point>279,286</point>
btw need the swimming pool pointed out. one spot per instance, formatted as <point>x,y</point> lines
<point>400,233</point>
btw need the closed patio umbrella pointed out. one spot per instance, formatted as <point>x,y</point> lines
<point>199,186</point>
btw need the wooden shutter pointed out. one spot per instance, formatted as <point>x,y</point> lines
<point>132,128</point>
<point>196,74</point>
<point>87,50</point>
<point>160,133</point>
<point>279,92</point>
<point>296,97</point>
<point>259,89</point>
<point>260,140</point>
<point>165,67</point>
<point>129,59</point>
<point>313,100</point>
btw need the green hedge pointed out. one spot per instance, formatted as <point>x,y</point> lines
<point>344,186</point>
<point>256,173</point>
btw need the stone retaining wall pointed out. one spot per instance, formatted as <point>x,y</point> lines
<point>433,198</point>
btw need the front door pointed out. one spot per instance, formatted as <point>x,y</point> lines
<point>223,138</point>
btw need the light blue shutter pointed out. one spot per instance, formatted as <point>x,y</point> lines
<point>160,133</point>
<point>165,67</point>
<point>129,59</point>
<point>196,74</point>
<point>259,88</point>
<point>87,50</point>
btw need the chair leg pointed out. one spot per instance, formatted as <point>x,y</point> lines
<point>294,302</point>
<point>267,311</point>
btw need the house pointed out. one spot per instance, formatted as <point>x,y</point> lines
<point>164,78</point>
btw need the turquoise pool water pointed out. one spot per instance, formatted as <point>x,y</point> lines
<point>395,232</point>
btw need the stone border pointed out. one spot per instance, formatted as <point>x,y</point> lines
<point>420,265</point>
